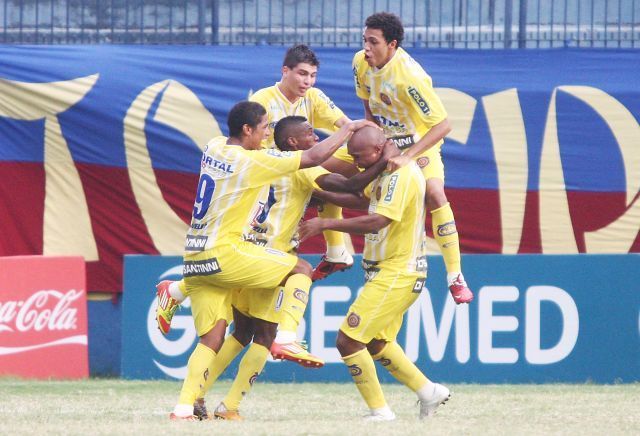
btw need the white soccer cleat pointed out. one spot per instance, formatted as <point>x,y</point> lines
<point>429,405</point>
<point>380,415</point>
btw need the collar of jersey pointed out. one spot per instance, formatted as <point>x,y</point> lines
<point>389,64</point>
<point>284,98</point>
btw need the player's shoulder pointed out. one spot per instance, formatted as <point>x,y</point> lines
<point>406,65</point>
<point>263,94</point>
<point>358,58</point>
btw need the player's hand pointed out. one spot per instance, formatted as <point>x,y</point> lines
<point>397,162</point>
<point>390,150</point>
<point>310,228</point>
<point>356,125</point>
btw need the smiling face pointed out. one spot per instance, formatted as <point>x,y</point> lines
<point>377,51</point>
<point>297,80</point>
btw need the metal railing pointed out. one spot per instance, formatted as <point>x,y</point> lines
<point>428,23</point>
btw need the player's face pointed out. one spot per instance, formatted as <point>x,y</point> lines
<point>258,133</point>
<point>306,137</point>
<point>364,157</point>
<point>299,79</point>
<point>377,51</point>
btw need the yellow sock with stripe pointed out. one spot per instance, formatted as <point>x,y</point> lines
<point>294,302</point>
<point>363,372</point>
<point>228,352</point>
<point>333,238</point>
<point>250,368</point>
<point>198,366</point>
<point>394,359</point>
<point>446,235</point>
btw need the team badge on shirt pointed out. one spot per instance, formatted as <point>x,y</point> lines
<point>422,161</point>
<point>385,98</point>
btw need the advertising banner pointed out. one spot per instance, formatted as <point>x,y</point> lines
<point>535,319</point>
<point>43,317</point>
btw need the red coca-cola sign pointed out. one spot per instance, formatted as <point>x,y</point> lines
<point>43,317</point>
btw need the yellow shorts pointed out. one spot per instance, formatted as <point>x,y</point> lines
<point>259,303</point>
<point>208,306</point>
<point>242,265</point>
<point>343,154</point>
<point>377,312</point>
<point>431,164</point>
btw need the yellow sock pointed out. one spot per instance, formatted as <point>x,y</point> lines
<point>229,351</point>
<point>333,238</point>
<point>446,235</point>
<point>393,358</point>
<point>294,302</point>
<point>197,373</point>
<point>250,368</point>
<point>363,371</point>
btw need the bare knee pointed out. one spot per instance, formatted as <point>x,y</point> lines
<point>243,328</point>
<point>435,195</point>
<point>376,346</point>
<point>302,267</point>
<point>347,346</point>
<point>215,337</point>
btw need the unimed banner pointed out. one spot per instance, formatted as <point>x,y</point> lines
<point>43,317</point>
<point>544,155</point>
<point>535,318</point>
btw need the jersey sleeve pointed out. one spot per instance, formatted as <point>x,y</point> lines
<point>325,111</point>
<point>307,177</point>
<point>393,195</point>
<point>269,165</point>
<point>359,64</point>
<point>420,95</point>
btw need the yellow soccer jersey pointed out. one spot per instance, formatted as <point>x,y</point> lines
<point>401,97</point>
<point>231,180</point>
<point>275,223</point>
<point>315,106</point>
<point>401,246</point>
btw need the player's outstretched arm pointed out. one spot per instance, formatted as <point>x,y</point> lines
<point>432,137</point>
<point>323,151</point>
<point>359,225</point>
<point>343,199</point>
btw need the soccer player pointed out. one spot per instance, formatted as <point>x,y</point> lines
<point>295,94</point>
<point>233,173</point>
<point>398,95</point>
<point>395,264</point>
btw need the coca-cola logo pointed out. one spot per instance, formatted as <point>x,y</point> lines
<point>44,310</point>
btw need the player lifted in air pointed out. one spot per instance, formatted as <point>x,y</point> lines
<point>398,95</point>
<point>234,173</point>
<point>395,264</point>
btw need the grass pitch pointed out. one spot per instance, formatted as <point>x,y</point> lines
<point>117,407</point>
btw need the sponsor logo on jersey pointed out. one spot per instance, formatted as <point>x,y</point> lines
<point>195,243</point>
<point>385,362</point>
<point>355,76</point>
<point>277,153</point>
<point>276,252</point>
<point>208,161</point>
<point>369,266</point>
<point>354,370</point>
<point>279,300</point>
<point>447,228</point>
<point>301,295</point>
<point>201,267</point>
<point>419,285</point>
<point>421,102</point>
<point>197,226</point>
<point>326,99</point>
<point>421,263</point>
<point>403,142</point>
<point>422,161</point>
<point>391,188</point>
<point>353,320</point>
<point>385,99</point>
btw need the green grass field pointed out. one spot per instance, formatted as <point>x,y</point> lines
<point>135,407</point>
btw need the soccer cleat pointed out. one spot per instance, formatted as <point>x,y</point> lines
<point>428,406</point>
<point>174,417</point>
<point>221,412</point>
<point>460,291</point>
<point>296,352</point>
<point>167,306</point>
<point>377,415</point>
<point>200,410</point>
<point>327,267</point>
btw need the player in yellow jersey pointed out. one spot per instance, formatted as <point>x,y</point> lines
<point>234,172</point>
<point>395,266</point>
<point>398,95</point>
<point>295,94</point>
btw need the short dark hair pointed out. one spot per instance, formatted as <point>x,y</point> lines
<point>283,128</point>
<point>244,112</point>
<point>389,24</point>
<point>298,54</point>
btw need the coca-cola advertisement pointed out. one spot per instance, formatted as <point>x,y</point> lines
<point>43,317</point>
